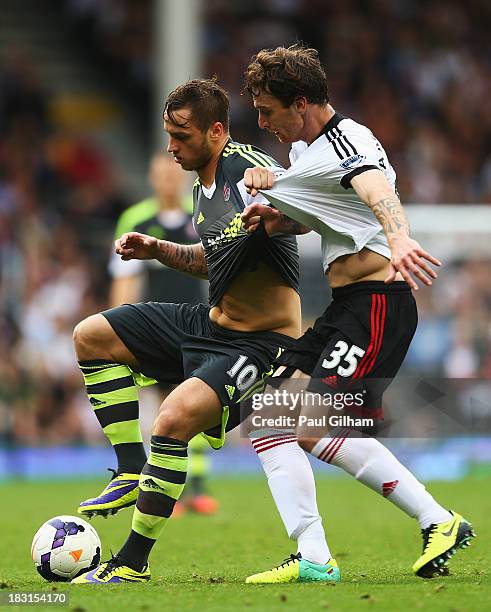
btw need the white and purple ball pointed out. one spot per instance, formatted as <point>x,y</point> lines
<point>64,547</point>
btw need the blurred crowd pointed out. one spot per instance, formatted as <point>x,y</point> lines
<point>58,202</point>
<point>417,73</point>
<point>453,339</point>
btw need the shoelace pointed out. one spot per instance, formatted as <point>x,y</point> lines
<point>111,565</point>
<point>289,560</point>
<point>427,533</point>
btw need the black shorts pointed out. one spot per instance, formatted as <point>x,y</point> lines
<point>359,343</point>
<point>173,342</point>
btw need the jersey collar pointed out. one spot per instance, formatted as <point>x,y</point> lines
<point>332,123</point>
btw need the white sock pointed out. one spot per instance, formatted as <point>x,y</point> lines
<point>374,465</point>
<point>292,486</point>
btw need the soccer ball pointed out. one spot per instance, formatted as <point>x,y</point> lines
<point>64,547</point>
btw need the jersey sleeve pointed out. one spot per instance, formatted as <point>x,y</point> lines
<point>354,151</point>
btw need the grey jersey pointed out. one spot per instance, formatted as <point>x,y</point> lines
<point>229,249</point>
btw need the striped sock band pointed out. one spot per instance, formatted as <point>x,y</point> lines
<point>327,448</point>
<point>113,395</point>
<point>273,439</point>
<point>161,484</point>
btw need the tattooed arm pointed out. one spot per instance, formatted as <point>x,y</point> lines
<point>187,258</point>
<point>391,216</point>
<point>275,222</point>
<point>407,255</point>
<point>290,226</point>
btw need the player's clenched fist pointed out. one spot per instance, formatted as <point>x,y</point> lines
<point>134,245</point>
<point>258,178</point>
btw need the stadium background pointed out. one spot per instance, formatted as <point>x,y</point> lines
<point>81,92</point>
<point>82,84</point>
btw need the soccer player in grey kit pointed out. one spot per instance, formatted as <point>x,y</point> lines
<point>217,354</point>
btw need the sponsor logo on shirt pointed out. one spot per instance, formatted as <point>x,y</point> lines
<point>231,232</point>
<point>352,161</point>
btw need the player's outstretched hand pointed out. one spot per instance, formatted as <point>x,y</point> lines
<point>252,215</point>
<point>134,245</point>
<point>258,178</point>
<point>408,259</point>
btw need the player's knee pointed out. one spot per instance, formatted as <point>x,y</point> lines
<point>171,423</point>
<point>90,338</point>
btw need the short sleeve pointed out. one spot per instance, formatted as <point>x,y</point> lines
<point>346,179</point>
<point>354,150</point>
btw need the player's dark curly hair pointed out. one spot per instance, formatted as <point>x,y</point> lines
<point>208,102</point>
<point>288,74</point>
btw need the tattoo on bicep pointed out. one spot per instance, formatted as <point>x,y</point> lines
<point>390,215</point>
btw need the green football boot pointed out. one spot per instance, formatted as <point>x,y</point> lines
<point>296,569</point>
<point>112,572</point>
<point>440,543</point>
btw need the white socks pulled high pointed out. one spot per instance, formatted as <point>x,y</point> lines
<point>374,465</point>
<point>292,486</point>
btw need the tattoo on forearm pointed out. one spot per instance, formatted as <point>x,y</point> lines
<point>391,215</point>
<point>185,258</point>
<point>289,226</point>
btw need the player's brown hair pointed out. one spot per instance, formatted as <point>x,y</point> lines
<point>208,102</point>
<point>288,74</point>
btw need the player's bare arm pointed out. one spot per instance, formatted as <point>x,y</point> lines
<point>407,255</point>
<point>275,222</point>
<point>189,259</point>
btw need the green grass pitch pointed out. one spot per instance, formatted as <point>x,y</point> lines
<point>201,563</point>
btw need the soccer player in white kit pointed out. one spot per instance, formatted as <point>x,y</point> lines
<point>341,185</point>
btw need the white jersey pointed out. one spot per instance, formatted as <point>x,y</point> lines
<point>316,190</point>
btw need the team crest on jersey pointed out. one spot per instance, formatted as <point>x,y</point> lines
<point>226,192</point>
<point>352,161</point>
